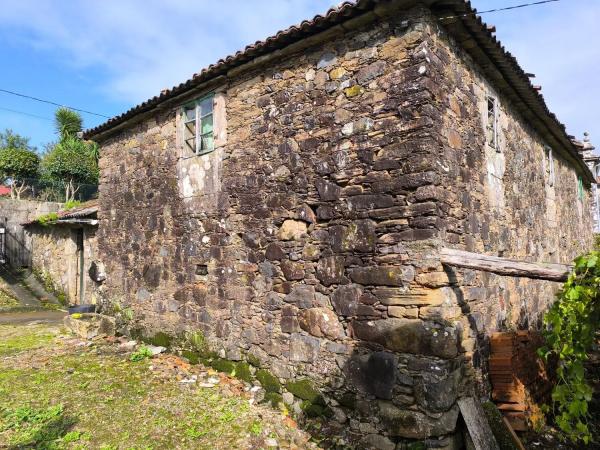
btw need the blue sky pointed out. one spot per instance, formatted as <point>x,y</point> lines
<point>106,56</point>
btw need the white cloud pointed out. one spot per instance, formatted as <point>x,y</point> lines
<point>139,47</point>
<point>145,46</point>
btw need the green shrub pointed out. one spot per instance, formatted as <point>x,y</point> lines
<point>47,219</point>
<point>143,353</point>
<point>571,326</point>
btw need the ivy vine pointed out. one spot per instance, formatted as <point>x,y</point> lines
<point>570,328</point>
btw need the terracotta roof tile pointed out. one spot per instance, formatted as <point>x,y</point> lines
<point>461,13</point>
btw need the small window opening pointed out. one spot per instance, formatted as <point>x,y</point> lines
<point>201,269</point>
<point>549,166</point>
<point>198,133</point>
<point>580,187</point>
<point>492,123</point>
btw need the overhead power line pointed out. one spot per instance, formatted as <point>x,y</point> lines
<point>25,113</point>
<point>52,103</point>
<point>506,8</point>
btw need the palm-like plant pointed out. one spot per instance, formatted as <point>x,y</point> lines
<point>67,123</point>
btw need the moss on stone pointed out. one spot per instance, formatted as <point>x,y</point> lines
<point>160,339</point>
<point>273,398</point>
<point>305,390</point>
<point>222,365</point>
<point>348,400</point>
<point>268,381</point>
<point>242,371</point>
<point>252,359</point>
<point>191,356</point>
<point>499,430</point>
<point>416,446</point>
<point>314,410</point>
<point>197,341</point>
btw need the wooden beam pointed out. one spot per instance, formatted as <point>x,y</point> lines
<point>477,424</point>
<point>504,266</point>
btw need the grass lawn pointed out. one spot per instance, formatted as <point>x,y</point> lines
<point>61,393</point>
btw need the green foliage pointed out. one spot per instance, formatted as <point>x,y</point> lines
<point>9,139</point>
<point>256,428</point>
<point>37,428</point>
<point>70,204</point>
<point>67,122</point>
<point>143,353</point>
<point>571,325</point>
<point>197,341</point>
<point>47,219</point>
<point>18,163</point>
<point>71,160</point>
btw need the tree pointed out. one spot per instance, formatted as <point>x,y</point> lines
<point>67,122</point>
<point>71,160</point>
<point>18,162</point>
<point>9,139</point>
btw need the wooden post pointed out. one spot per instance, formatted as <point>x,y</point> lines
<point>505,266</point>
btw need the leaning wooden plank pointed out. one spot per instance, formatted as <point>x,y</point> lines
<point>477,424</point>
<point>514,436</point>
<point>504,266</point>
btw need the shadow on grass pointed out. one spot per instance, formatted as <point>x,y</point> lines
<point>42,429</point>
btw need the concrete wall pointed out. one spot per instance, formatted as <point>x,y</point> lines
<point>15,212</point>
<point>55,256</point>
<point>308,240</point>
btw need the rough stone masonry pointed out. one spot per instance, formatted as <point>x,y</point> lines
<point>307,241</point>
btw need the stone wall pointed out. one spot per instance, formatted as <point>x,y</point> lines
<point>13,213</point>
<point>56,259</point>
<point>519,201</point>
<point>307,241</point>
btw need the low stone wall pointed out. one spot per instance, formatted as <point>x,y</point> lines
<point>13,213</point>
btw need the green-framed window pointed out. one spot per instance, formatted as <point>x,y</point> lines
<point>197,116</point>
<point>580,187</point>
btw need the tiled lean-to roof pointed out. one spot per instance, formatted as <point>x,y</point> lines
<point>457,16</point>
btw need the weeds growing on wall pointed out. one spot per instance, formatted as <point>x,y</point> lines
<point>571,326</point>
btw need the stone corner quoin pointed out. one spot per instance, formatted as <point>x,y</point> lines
<point>308,239</point>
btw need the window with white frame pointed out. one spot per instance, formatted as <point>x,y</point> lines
<point>549,166</point>
<point>491,135</point>
<point>197,117</point>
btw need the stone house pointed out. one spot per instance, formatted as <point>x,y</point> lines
<point>291,201</point>
<point>63,252</point>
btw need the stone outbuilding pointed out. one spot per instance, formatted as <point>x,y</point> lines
<point>290,203</point>
<point>63,250</point>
